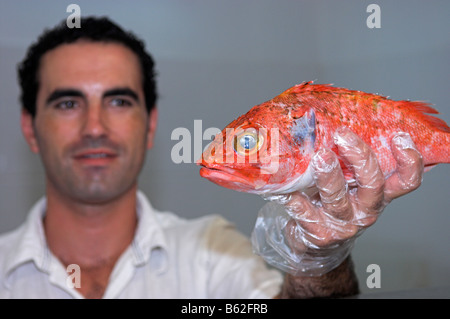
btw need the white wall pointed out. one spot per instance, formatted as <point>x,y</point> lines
<point>216,59</point>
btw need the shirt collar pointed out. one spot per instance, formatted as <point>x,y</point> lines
<point>31,244</point>
<point>149,244</point>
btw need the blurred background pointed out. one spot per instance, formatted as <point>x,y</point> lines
<point>215,60</point>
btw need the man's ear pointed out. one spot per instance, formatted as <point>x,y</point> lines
<point>152,123</point>
<point>26,121</point>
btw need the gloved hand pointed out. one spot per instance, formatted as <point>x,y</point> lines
<point>309,236</point>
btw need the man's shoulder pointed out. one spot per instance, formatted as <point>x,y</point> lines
<point>203,224</point>
<point>9,242</point>
<point>169,221</point>
<point>212,232</point>
<point>9,239</point>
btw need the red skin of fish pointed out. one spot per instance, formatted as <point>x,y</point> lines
<point>376,119</point>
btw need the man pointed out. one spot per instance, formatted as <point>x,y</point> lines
<point>89,110</point>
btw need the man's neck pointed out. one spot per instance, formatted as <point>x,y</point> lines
<point>91,236</point>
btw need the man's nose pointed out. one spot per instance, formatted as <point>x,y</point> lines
<point>95,121</point>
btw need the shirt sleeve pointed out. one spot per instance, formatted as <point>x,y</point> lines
<point>234,270</point>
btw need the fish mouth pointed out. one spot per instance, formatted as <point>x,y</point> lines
<point>226,177</point>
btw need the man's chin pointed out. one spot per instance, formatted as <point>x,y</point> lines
<point>98,195</point>
<point>92,187</point>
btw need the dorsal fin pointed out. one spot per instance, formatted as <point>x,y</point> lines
<point>420,108</point>
<point>424,110</point>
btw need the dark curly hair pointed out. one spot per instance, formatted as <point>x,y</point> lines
<point>98,29</point>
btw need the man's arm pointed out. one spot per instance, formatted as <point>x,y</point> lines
<point>322,227</point>
<point>339,282</point>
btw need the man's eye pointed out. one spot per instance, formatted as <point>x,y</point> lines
<point>120,102</point>
<point>66,105</point>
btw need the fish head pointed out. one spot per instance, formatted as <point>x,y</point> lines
<point>265,151</point>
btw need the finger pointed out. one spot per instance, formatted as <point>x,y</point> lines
<point>303,210</point>
<point>313,225</point>
<point>369,177</point>
<point>309,219</point>
<point>409,173</point>
<point>331,183</point>
<point>294,237</point>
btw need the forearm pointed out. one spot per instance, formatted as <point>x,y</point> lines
<point>339,282</point>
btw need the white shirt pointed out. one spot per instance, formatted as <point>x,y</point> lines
<point>170,257</point>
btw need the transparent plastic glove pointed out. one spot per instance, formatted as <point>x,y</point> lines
<point>311,235</point>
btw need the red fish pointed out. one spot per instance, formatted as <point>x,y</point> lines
<point>268,149</point>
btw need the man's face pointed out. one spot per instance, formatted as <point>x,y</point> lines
<point>91,126</point>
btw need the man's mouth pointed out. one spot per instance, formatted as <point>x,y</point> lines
<point>95,157</point>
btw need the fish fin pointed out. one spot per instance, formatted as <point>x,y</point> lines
<point>428,168</point>
<point>303,131</point>
<point>437,123</point>
<point>299,87</point>
<point>307,86</point>
<point>424,109</point>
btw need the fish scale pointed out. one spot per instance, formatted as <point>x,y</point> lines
<point>306,117</point>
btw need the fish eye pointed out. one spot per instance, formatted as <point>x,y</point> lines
<point>247,143</point>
